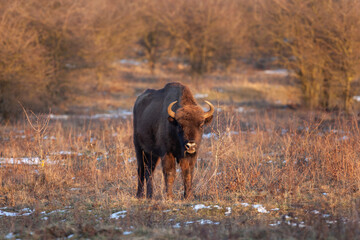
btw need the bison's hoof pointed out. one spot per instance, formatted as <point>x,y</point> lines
<point>140,195</point>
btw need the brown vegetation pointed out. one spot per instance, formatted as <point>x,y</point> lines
<point>85,170</point>
<point>319,41</point>
<point>46,45</point>
<point>292,161</point>
<point>75,57</point>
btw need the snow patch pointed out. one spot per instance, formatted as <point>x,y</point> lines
<point>24,160</point>
<point>206,221</point>
<point>118,215</point>
<point>10,236</point>
<point>209,135</point>
<point>200,206</point>
<point>282,72</point>
<point>201,95</point>
<point>119,113</point>
<point>129,62</point>
<point>260,208</point>
<point>356,98</point>
<point>176,225</point>
<point>228,211</point>
<point>23,212</point>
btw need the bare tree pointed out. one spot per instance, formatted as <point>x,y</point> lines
<point>203,31</point>
<point>24,66</point>
<point>340,37</point>
<point>317,40</point>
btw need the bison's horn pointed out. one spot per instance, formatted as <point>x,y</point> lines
<point>170,111</point>
<point>211,111</point>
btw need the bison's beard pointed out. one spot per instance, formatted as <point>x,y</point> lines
<point>186,153</point>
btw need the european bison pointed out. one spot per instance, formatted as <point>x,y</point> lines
<point>168,124</point>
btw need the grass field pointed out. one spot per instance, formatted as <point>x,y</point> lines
<point>267,169</point>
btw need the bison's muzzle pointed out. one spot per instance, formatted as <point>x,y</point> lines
<point>190,147</point>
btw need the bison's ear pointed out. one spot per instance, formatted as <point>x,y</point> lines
<point>209,119</point>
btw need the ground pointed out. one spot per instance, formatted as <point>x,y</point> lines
<point>267,168</point>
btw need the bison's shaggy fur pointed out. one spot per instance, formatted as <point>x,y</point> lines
<point>168,125</point>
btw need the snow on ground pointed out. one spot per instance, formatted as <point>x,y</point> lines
<point>51,137</point>
<point>293,224</point>
<point>27,161</point>
<point>56,211</point>
<point>23,212</point>
<point>260,208</point>
<point>206,221</point>
<point>170,210</point>
<point>129,62</point>
<point>200,206</point>
<point>356,98</point>
<point>244,110</point>
<point>201,95</point>
<point>228,211</point>
<point>177,225</point>
<point>209,135</point>
<point>282,72</point>
<point>119,113</point>
<point>24,160</point>
<point>118,215</point>
<point>200,221</point>
<point>38,161</point>
<point>10,236</point>
<point>216,136</point>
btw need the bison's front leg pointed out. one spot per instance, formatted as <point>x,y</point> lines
<point>187,168</point>
<point>169,171</point>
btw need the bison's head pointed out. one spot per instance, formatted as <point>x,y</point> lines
<point>189,121</point>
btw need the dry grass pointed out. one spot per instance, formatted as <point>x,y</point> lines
<point>305,164</point>
<point>293,161</point>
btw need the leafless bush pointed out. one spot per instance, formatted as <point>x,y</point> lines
<point>24,65</point>
<point>205,33</point>
<point>43,41</point>
<point>318,40</point>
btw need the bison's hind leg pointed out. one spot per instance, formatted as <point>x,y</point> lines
<point>146,165</point>
<point>141,170</point>
<point>151,161</point>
